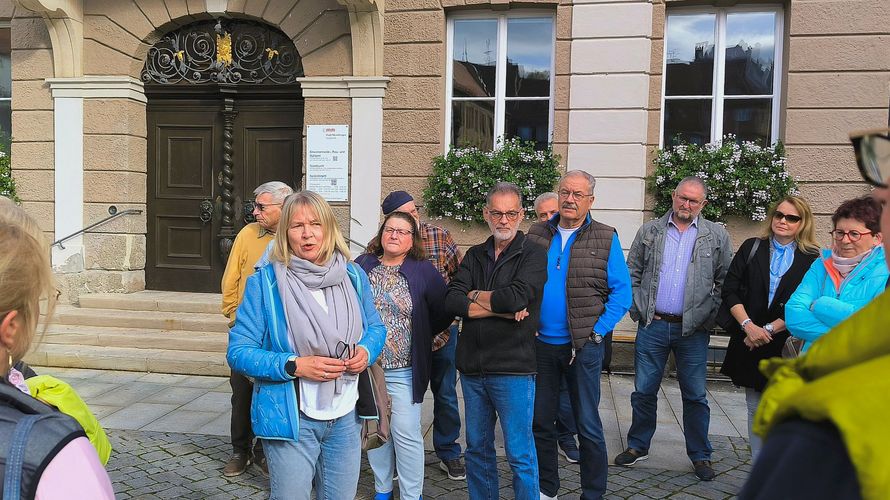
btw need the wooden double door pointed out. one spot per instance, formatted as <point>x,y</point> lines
<point>206,155</point>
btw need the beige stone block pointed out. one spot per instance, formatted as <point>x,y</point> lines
<point>611,20</point>
<point>114,252</point>
<point>30,33</point>
<point>277,9</point>
<point>255,8</point>
<point>399,5</point>
<point>114,116</point>
<point>625,222</point>
<point>34,126</point>
<point>333,59</point>
<point>607,126</point>
<point>43,212</point>
<point>564,22</point>
<point>656,60</point>
<point>99,59</point>
<point>33,155</point>
<point>621,91</point>
<point>330,26</point>
<point>113,187</point>
<point>114,152</point>
<point>177,9</point>
<point>155,11</point>
<point>7,7</point>
<point>838,17</point>
<point>308,11</point>
<point>101,281</point>
<point>580,2</point>
<point>867,52</point>
<point>838,90</point>
<point>35,64</point>
<point>561,132</point>
<point>198,9</point>
<point>236,6</point>
<point>415,26</point>
<point>742,228</point>
<point>658,20</point>
<point>653,125</point>
<point>34,185</point>
<point>460,3</point>
<point>406,92</point>
<point>413,185</point>
<point>131,224</point>
<point>131,19</point>
<point>563,54</point>
<point>108,33</point>
<point>32,95</point>
<point>412,126</point>
<point>655,83</point>
<point>406,160</point>
<point>825,198</point>
<point>467,234</point>
<point>621,55</point>
<point>561,150</point>
<point>609,160</point>
<point>320,111</point>
<point>821,163</point>
<point>829,126</point>
<point>563,92</point>
<point>616,193</point>
<point>414,59</point>
<point>341,214</point>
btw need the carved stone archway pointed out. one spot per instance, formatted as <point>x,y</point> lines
<point>64,21</point>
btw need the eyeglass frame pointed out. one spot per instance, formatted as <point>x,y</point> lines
<point>856,139</point>
<point>497,215</point>
<point>344,348</point>
<point>573,195</point>
<point>777,215</point>
<point>400,232</point>
<point>848,234</point>
<point>262,206</point>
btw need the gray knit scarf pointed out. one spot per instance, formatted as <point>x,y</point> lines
<point>312,331</point>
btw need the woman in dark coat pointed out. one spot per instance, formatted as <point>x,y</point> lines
<point>763,275</point>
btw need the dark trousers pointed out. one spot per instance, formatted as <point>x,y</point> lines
<point>583,376</point>
<point>242,434</point>
<point>565,421</point>
<point>446,416</point>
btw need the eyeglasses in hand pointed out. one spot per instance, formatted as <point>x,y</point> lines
<point>344,351</point>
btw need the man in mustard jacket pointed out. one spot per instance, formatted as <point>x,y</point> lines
<point>249,246</point>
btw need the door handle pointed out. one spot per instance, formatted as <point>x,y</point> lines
<point>248,212</point>
<point>206,211</point>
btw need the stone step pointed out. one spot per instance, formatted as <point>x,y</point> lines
<point>104,336</point>
<point>130,359</point>
<point>153,300</point>
<point>153,320</point>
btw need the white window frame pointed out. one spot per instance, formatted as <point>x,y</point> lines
<point>500,97</point>
<point>718,90</point>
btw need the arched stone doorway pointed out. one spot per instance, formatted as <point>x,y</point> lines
<point>224,114</point>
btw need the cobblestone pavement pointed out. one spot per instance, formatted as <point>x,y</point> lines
<point>148,464</point>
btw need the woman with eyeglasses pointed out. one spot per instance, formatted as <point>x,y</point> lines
<point>847,276</point>
<point>762,276</point>
<point>409,294</point>
<point>305,331</point>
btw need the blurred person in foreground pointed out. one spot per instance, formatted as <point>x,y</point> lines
<point>824,414</point>
<point>43,453</point>
<point>305,331</point>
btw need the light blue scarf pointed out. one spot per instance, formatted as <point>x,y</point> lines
<point>780,259</point>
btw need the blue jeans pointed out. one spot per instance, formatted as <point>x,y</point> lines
<point>446,416</point>
<point>509,398</point>
<point>406,440</point>
<point>330,451</point>
<point>565,420</point>
<point>653,344</point>
<point>583,377</point>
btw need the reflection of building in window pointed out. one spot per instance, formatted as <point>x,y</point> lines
<point>5,86</point>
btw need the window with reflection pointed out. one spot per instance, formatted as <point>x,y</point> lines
<point>500,78</point>
<point>720,75</point>
<point>5,86</point>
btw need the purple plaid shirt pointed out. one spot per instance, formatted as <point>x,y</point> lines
<point>675,261</point>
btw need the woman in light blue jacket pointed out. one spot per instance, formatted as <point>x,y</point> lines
<point>846,278</point>
<point>305,330</point>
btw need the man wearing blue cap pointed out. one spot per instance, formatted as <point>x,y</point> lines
<point>443,253</point>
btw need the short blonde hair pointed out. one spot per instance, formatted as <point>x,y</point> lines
<point>25,272</point>
<point>333,238</point>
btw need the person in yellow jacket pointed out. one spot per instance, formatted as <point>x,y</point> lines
<point>824,415</point>
<point>249,246</point>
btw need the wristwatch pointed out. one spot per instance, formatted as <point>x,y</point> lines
<point>291,366</point>
<point>596,338</point>
<point>769,328</point>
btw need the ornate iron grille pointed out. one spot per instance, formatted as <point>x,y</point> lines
<point>230,51</point>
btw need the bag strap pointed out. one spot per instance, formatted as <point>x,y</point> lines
<point>752,252</point>
<point>12,482</point>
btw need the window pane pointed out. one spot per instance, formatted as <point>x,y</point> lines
<point>529,121</point>
<point>5,123</point>
<point>687,121</point>
<point>475,54</point>
<point>472,124</point>
<point>748,119</point>
<point>5,65</point>
<point>689,54</point>
<point>529,50</point>
<point>750,53</point>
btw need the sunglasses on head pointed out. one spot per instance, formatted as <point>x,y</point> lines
<point>793,219</point>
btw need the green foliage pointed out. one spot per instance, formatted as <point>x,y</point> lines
<point>462,177</point>
<point>743,178</point>
<point>7,183</point>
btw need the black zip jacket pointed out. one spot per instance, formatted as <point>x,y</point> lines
<point>499,346</point>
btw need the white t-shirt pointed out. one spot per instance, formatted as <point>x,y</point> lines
<point>565,235</point>
<point>343,403</point>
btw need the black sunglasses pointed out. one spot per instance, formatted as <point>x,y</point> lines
<point>794,219</point>
<point>872,149</point>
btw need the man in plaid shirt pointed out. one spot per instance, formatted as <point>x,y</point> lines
<point>443,253</point>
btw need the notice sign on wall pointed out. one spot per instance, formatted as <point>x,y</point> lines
<point>327,161</point>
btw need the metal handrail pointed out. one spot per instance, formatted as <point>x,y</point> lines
<point>114,214</point>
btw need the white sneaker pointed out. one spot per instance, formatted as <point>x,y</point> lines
<point>545,497</point>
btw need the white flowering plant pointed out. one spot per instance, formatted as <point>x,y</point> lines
<point>7,182</point>
<point>743,177</point>
<point>462,177</point>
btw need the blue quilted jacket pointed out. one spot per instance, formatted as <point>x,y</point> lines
<point>259,348</point>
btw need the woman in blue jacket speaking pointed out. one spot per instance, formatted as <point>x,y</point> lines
<point>305,330</point>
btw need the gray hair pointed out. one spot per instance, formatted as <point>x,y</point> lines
<point>277,189</point>
<point>693,180</point>
<point>503,188</point>
<point>591,180</point>
<point>544,197</point>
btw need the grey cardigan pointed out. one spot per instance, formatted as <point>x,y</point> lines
<point>711,256</point>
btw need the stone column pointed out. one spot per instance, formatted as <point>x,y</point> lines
<point>366,94</point>
<point>68,130</point>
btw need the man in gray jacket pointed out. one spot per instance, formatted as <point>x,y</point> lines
<point>677,265</point>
